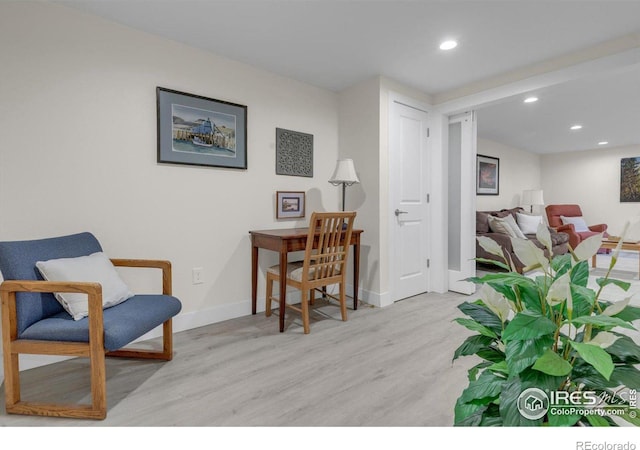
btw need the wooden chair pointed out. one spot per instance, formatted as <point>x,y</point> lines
<point>34,322</point>
<point>324,264</point>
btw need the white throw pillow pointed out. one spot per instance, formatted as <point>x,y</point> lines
<point>94,268</point>
<point>528,224</point>
<point>578,222</point>
<point>506,225</point>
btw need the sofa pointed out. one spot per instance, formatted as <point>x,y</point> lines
<point>559,240</point>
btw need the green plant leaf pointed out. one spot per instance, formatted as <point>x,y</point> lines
<point>624,285</point>
<point>627,376</point>
<point>528,325</point>
<point>523,354</point>
<point>499,367</point>
<point>491,354</point>
<point>475,326</point>
<point>467,414</point>
<point>493,262</point>
<point>509,412</point>
<point>597,357</point>
<point>472,373</point>
<point>585,374</point>
<point>472,345</point>
<point>583,299</point>
<point>633,419</point>
<point>483,315</point>
<point>530,295</point>
<point>552,364</point>
<point>533,378</point>
<point>597,421</point>
<point>561,264</point>
<point>629,314</point>
<point>563,420</point>
<point>601,321</point>
<point>580,273</point>
<point>486,388</point>
<point>624,350</point>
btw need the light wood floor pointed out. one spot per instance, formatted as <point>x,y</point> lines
<point>384,367</point>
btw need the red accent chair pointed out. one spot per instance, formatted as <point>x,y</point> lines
<point>575,237</point>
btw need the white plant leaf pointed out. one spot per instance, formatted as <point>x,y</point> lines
<point>616,307</point>
<point>616,251</point>
<point>588,247</point>
<point>490,246</point>
<point>543,235</point>
<point>603,339</point>
<point>560,291</point>
<point>496,302</point>
<point>529,254</point>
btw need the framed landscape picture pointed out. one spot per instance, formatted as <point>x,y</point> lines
<point>200,131</point>
<point>487,175</point>
<point>630,180</point>
<point>289,204</point>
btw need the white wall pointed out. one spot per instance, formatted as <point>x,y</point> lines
<point>590,179</point>
<point>78,152</point>
<point>519,170</point>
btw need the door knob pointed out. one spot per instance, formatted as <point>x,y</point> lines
<point>398,212</point>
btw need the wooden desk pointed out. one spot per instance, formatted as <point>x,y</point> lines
<point>288,240</point>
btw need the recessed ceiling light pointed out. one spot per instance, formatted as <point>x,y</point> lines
<point>603,142</point>
<point>531,99</point>
<point>576,127</point>
<point>448,45</point>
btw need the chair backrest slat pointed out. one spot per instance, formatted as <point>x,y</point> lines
<point>327,246</point>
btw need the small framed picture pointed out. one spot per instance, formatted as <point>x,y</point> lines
<point>487,175</point>
<point>289,204</point>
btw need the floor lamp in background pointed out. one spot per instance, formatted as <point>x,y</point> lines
<point>345,174</point>
<point>532,197</point>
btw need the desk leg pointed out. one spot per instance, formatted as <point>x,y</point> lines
<point>593,261</point>
<point>356,272</point>
<point>254,278</point>
<point>283,286</point>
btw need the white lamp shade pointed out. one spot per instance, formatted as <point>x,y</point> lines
<point>532,197</point>
<point>345,173</point>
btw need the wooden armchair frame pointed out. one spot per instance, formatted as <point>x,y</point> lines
<point>94,349</point>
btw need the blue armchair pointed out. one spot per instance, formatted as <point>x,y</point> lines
<point>35,322</point>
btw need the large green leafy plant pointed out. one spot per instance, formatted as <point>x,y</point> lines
<point>549,330</point>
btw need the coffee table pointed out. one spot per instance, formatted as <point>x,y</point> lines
<point>626,246</point>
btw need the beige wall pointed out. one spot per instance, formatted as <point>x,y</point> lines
<point>590,179</point>
<point>519,170</point>
<point>78,152</point>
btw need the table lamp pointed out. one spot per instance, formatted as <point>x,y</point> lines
<point>344,174</point>
<point>532,197</point>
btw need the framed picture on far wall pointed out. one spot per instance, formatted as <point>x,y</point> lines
<point>487,175</point>
<point>201,131</point>
<point>289,204</point>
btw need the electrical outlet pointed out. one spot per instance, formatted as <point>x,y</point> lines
<point>197,276</point>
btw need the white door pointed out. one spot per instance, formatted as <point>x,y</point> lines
<point>461,202</point>
<point>408,134</point>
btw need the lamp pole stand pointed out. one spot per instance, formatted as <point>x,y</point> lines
<point>344,189</point>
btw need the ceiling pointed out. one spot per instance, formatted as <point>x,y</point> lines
<point>335,44</point>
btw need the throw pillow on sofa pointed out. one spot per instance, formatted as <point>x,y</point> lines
<point>506,225</point>
<point>528,224</point>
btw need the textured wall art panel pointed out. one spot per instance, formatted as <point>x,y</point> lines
<point>294,153</point>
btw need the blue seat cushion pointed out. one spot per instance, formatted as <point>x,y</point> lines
<point>123,323</point>
<point>18,262</point>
